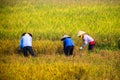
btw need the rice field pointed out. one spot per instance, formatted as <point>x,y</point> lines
<point>48,21</point>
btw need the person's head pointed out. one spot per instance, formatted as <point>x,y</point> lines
<point>25,33</point>
<point>64,37</point>
<point>81,34</point>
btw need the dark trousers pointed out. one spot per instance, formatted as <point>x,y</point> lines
<point>69,50</point>
<point>91,47</point>
<point>28,49</point>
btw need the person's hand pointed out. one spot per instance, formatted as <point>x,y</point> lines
<point>81,48</point>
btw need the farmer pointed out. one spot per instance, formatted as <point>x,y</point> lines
<point>86,40</point>
<point>68,45</point>
<point>26,44</point>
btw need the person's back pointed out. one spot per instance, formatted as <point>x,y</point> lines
<point>87,38</point>
<point>68,45</point>
<point>27,40</point>
<point>26,44</point>
<point>68,42</point>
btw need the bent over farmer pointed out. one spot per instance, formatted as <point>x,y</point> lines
<point>68,45</point>
<point>86,40</point>
<point>26,44</point>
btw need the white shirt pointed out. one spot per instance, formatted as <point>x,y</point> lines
<point>26,40</point>
<point>87,39</point>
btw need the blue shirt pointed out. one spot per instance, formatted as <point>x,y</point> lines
<point>67,42</point>
<point>25,41</point>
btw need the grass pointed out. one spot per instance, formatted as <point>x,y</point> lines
<point>48,21</point>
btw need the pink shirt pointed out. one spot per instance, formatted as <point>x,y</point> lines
<point>87,39</point>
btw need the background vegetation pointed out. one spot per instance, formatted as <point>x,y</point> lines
<point>48,21</point>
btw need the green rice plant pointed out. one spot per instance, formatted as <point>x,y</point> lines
<point>66,20</point>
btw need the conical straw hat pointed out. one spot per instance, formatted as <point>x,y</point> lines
<point>80,33</point>
<point>65,36</point>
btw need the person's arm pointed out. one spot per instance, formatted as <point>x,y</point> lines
<point>21,43</point>
<point>84,43</point>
